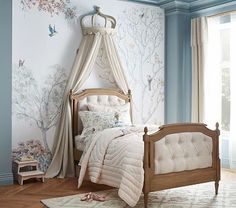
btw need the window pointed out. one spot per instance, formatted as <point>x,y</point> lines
<point>218,77</point>
<point>220,84</point>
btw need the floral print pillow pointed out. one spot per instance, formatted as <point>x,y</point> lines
<point>123,111</point>
<point>97,121</point>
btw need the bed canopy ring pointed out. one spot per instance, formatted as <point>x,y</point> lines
<point>94,16</point>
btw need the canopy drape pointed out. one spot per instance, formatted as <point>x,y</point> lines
<point>62,164</point>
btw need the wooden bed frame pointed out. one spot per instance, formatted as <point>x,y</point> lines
<point>74,100</point>
<point>157,182</point>
<point>152,181</point>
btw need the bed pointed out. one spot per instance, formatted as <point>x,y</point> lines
<point>174,155</point>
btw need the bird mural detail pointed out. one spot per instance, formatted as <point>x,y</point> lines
<point>149,79</point>
<point>141,15</point>
<point>52,30</point>
<point>21,63</point>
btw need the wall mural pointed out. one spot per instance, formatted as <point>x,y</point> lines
<point>38,105</point>
<point>140,38</point>
<point>42,60</point>
<point>55,7</point>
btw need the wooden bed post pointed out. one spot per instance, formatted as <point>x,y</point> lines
<point>217,160</point>
<point>131,105</point>
<point>146,166</point>
<point>72,122</point>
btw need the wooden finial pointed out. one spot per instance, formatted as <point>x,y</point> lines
<point>217,128</point>
<point>145,130</point>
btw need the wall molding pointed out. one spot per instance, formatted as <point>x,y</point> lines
<point>203,4</point>
<point>176,6</point>
<point>187,6</point>
<point>6,178</point>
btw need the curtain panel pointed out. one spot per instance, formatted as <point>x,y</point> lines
<point>62,164</point>
<point>199,35</point>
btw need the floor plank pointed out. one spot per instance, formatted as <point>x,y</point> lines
<point>30,194</point>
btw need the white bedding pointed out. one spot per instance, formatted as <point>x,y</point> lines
<point>115,157</point>
<point>116,154</point>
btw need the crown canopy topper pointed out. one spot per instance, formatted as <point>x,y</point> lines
<point>107,19</point>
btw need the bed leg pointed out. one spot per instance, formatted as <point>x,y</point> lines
<point>216,187</point>
<point>75,170</point>
<point>145,200</point>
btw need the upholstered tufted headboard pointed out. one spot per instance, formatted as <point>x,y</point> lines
<point>98,96</point>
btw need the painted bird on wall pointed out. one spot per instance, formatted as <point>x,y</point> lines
<point>21,63</point>
<point>149,79</point>
<point>52,30</point>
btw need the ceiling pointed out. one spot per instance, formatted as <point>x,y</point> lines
<point>186,5</point>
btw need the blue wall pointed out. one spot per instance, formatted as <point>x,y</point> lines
<point>178,68</point>
<point>5,91</point>
<point>178,73</point>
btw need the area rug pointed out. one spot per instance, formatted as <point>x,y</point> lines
<point>196,196</point>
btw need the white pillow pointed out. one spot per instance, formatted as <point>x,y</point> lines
<point>123,111</point>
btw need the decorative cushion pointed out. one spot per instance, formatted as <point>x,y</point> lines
<point>104,100</point>
<point>96,121</point>
<point>122,112</point>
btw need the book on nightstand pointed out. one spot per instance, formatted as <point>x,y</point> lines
<point>25,158</point>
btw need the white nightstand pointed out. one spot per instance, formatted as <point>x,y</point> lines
<point>33,173</point>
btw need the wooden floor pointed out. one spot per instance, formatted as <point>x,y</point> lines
<point>30,194</point>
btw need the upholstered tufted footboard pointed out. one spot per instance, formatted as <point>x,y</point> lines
<point>179,155</point>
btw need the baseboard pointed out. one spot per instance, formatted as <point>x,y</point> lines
<point>6,178</point>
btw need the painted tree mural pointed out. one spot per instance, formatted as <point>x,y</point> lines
<point>35,149</point>
<point>140,35</point>
<point>104,71</point>
<point>139,39</point>
<point>39,104</point>
<point>53,7</point>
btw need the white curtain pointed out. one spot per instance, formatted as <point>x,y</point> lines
<point>62,164</point>
<point>212,75</point>
<point>213,88</point>
<point>199,40</point>
<point>232,135</point>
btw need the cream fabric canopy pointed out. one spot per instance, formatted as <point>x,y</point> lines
<point>62,164</point>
